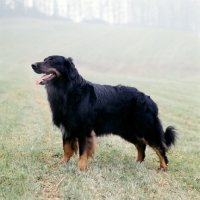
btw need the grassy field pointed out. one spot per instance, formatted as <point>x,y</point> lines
<point>31,147</point>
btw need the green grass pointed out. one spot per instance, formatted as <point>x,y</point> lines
<point>31,147</point>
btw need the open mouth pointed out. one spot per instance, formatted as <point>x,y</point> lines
<point>47,77</point>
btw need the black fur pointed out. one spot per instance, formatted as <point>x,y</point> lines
<point>79,106</point>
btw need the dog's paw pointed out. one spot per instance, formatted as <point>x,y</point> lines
<point>64,159</point>
<point>160,169</point>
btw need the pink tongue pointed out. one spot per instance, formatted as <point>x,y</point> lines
<point>41,79</point>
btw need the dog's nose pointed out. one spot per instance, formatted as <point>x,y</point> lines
<point>34,66</point>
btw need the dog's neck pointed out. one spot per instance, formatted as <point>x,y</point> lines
<point>66,86</point>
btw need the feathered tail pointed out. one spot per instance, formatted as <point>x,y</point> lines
<point>170,136</point>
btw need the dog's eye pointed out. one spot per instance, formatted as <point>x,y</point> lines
<point>50,60</point>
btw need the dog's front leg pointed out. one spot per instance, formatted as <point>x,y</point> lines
<point>70,147</point>
<point>86,150</point>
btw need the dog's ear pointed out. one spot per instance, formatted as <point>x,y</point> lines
<point>69,61</point>
<point>70,68</point>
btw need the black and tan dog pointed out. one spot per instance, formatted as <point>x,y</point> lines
<point>83,110</point>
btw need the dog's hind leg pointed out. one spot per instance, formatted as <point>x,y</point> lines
<point>70,147</point>
<point>86,150</point>
<point>140,146</point>
<point>160,151</point>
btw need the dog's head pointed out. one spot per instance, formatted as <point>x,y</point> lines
<point>53,68</point>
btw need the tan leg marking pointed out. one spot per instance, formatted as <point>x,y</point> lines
<point>140,153</point>
<point>69,149</point>
<point>162,161</point>
<point>89,151</point>
<point>83,161</point>
<point>91,144</point>
<point>140,150</point>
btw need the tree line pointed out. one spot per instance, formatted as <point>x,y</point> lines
<point>167,14</point>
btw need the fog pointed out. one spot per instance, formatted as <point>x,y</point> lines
<point>157,38</point>
<point>164,14</point>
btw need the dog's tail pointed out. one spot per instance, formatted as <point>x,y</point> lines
<point>170,136</point>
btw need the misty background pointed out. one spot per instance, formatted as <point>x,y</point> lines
<point>167,14</point>
<point>157,38</point>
